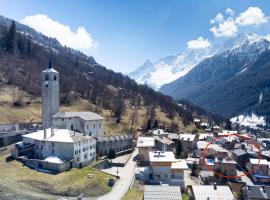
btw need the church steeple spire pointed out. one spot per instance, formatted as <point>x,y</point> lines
<point>50,64</point>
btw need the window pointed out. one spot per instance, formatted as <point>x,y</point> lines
<point>62,119</point>
<point>87,127</point>
<point>94,126</point>
<point>46,77</point>
<point>55,77</point>
<point>85,156</point>
<point>71,127</point>
<point>99,125</point>
<point>90,147</point>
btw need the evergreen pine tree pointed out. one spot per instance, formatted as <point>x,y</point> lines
<point>228,125</point>
<point>179,149</point>
<point>11,38</point>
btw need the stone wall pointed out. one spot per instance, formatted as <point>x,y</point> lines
<point>115,143</point>
<point>41,164</point>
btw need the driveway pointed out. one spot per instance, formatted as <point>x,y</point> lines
<point>245,179</point>
<point>122,185</point>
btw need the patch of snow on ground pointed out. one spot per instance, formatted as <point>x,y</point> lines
<point>243,70</point>
<point>260,97</point>
<point>252,120</point>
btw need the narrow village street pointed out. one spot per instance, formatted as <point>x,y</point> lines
<point>126,177</point>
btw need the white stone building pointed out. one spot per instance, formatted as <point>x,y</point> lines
<point>84,122</point>
<point>68,146</point>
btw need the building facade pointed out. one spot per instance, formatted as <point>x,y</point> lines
<point>88,123</point>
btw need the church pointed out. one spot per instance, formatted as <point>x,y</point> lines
<point>68,139</point>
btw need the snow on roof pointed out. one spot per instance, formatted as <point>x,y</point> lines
<point>187,137</point>
<point>196,120</point>
<point>146,142</point>
<point>161,156</point>
<point>203,144</point>
<point>159,132</point>
<point>179,164</point>
<point>83,115</point>
<point>54,159</point>
<point>163,140</point>
<point>228,132</point>
<point>203,136</point>
<point>59,135</point>
<point>255,161</point>
<point>204,192</point>
<point>50,70</point>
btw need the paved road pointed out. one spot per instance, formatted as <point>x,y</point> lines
<point>245,179</point>
<point>122,185</point>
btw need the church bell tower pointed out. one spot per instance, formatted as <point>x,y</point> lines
<point>50,95</point>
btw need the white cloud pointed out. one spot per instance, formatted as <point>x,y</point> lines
<point>229,11</point>
<point>226,28</point>
<point>80,39</point>
<point>199,43</point>
<point>252,16</point>
<point>218,18</point>
<point>267,37</point>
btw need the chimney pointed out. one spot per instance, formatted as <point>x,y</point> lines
<point>45,133</point>
<point>52,132</point>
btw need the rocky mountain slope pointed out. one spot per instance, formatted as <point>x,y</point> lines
<point>231,83</point>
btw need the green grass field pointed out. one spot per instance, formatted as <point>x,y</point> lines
<point>133,194</point>
<point>17,177</point>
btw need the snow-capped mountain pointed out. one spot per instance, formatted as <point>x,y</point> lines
<point>229,83</point>
<point>170,68</point>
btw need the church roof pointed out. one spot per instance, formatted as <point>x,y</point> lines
<point>84,115</point>
<point>50,68</point>
<point>60,135</point>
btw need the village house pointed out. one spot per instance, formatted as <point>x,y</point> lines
<point>163,144</point>
<point>212,150</point>
<point>227,167</point>
<point>210,192</point>
<point>260,170</point>
<point>161,192</point>
<point>241,157</point>
<point>166,169</point>
<point>257,192</point>
<point>145,145</point>
<point>187,141</point>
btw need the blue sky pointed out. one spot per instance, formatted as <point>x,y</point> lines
<point>122,34</point>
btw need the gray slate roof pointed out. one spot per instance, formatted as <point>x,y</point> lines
<point>157,192</point>
<point>239,152</point>
<point>83,115</point>
<point>258,192</point>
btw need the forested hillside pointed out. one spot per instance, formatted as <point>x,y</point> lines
<point>25,53</point>
<point>233,83</point>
